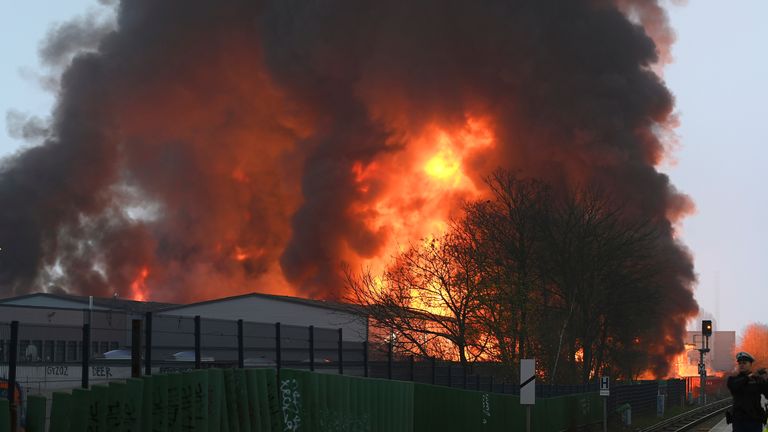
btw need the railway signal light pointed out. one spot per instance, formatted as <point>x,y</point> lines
<point>706,327</point>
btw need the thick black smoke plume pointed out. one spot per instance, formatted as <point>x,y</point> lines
<point>237,145</point>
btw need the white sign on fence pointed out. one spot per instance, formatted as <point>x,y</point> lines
<point>528,381</point>
<point>605,386</point>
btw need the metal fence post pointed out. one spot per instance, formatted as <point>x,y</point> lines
<point>389,361</point>
<point>312,348</point>
<point>198,360</point>
<point>13,352</point>
<point>86,355</point>
<point>412,367</point>
<point>365,359</point>
<point>135,348</point>
<point>240,345</point>
<point>148,344</point>
<point>434,370</point>
<point>278,350</point>
<point>341,353</point>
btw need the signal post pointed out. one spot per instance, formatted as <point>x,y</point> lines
<point>706,332</point>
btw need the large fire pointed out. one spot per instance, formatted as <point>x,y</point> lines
<point>421,188</point>
<point>417,191</point>
<point>200,150</point>
<point>139,290</point>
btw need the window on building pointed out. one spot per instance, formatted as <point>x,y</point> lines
<point>104,347</point>
<point>22,353</point>
<point>35,350</point>
<point>114,345</point>
<point>3,352</point>
<point>60,354</point>
<point>94,349</point>
<point>48,355</point>
<point>72,351</point>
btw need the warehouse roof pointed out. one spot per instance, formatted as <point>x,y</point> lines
<point>326,304</point>
<point>71,301</point>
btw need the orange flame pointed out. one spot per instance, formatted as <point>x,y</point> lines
<point>419,189</point>
<point>139,287</point>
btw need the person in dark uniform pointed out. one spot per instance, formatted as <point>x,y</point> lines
<point>746,386</point>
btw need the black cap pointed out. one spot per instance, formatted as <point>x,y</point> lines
<point>743,355</point>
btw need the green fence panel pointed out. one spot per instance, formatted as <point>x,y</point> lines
<point>314,402</point>
<point>5,415</point>
<point>505,412</point>
<point>159,411</point>
<point>133,405</point>
<point>454,410</point>
<point>200,400</point>
<point>268,378</point>
<point>186,414</point>
<point>241,396</point>
<point>79,415</point>
<point>230,395</point>
<point>449,410</point>
<point>295,417</point>
<point>263,402</point>
<point>254,399</point>
<point>35,413</point>
<point>193,401</point>
<point>146,404</point>
<point>567,412</point>
<point>115,404</point>
<point>97,410</point>
<point>174,402</point>
<point>215,393</point>
<point>60,406</point>
<point>225,421</point>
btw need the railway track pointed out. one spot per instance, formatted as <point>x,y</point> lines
<point>686,421</point>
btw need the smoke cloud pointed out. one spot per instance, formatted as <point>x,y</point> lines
<point>233,146</point>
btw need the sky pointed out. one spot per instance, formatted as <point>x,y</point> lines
<point>719,81</point>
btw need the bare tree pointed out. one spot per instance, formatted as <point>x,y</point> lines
<point>428,298</point>
<point>508,228</point>
<point>572,277</point>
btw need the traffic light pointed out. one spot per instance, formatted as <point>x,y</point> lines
<point>706,327</point>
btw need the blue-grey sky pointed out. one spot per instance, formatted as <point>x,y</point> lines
<point>719,81</point>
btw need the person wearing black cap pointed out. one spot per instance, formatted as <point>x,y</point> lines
<point>746,387</point>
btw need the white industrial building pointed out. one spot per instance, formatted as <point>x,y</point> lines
<point>286,310</point>
<point>50,326</point>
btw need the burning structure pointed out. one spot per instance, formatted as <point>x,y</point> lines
<point>200,149</point>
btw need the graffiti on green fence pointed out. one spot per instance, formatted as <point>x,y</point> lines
<point>291,404</point>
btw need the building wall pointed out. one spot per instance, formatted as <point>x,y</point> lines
<point>55,335</point>
<point>266,310</point>
<point>724,350</point>
<point>722,347</point>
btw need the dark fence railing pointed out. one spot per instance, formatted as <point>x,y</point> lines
<point>42,358</point>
